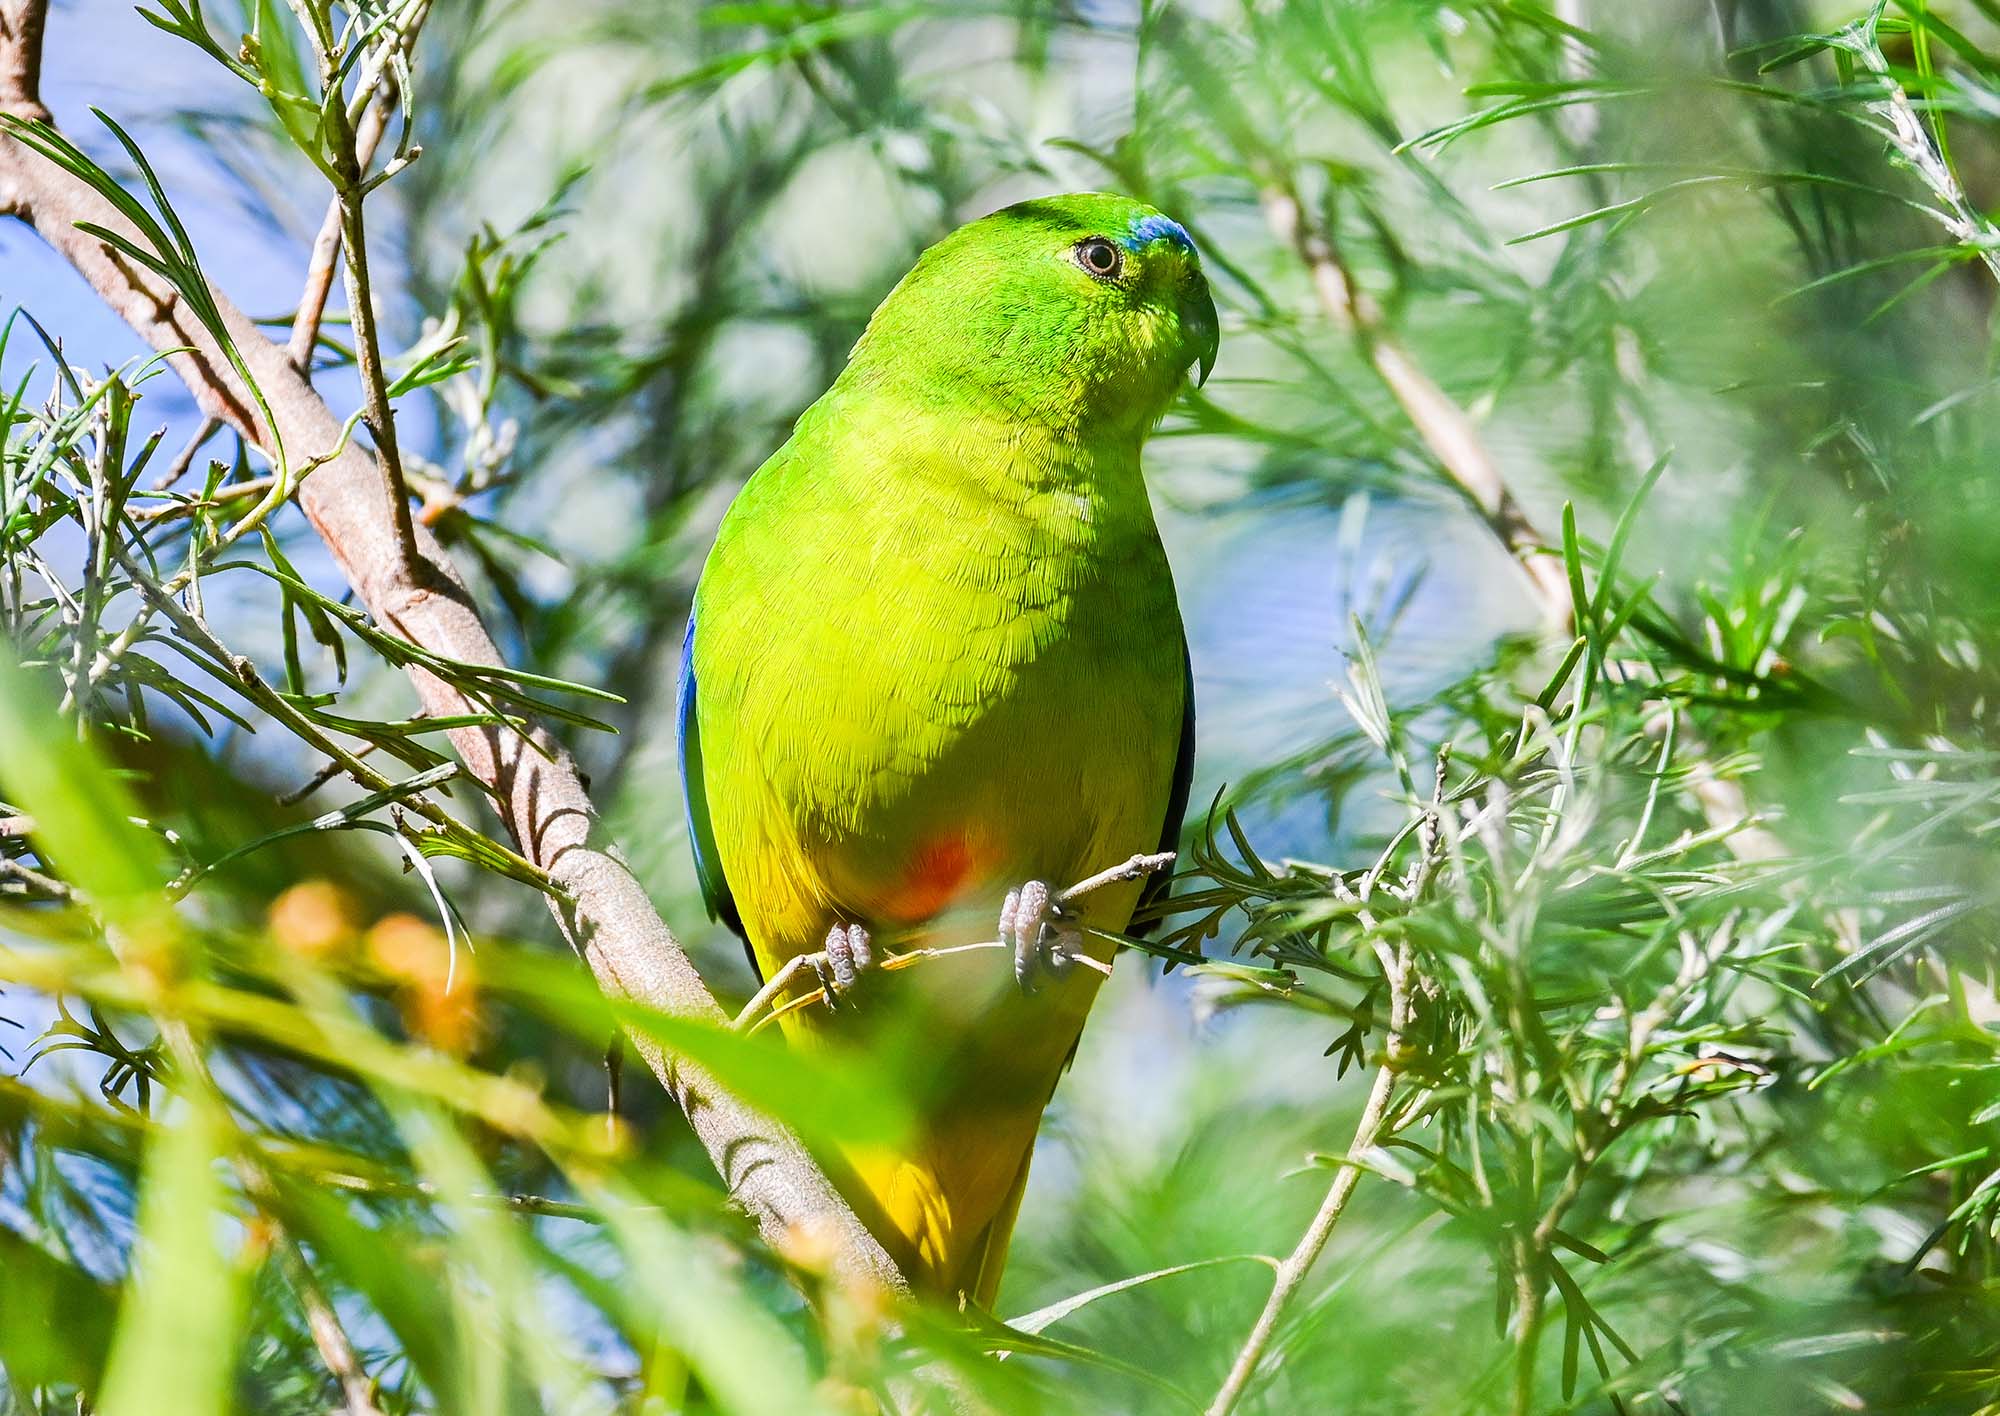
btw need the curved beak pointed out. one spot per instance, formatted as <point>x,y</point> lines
<point>1198,320</point>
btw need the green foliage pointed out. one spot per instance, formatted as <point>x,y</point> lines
<point>1664,941</point>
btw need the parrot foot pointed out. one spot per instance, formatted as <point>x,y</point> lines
<point>849,952</point>
<point>1044,942</point>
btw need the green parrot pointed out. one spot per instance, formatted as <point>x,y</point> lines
<point>935,669</point>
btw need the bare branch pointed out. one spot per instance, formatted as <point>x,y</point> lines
<point>1447,430</point>
<point>1137,868</point>
<point>329,1335</point>
<point>234,491</point>
<point>333,768</point>
<point>351,153</point>
<point>34,882</point>
<point>21,23</point>
<point>752,1018</point>
<point>368,363</point>
<point>184,459</point>
<point>748,1022</point>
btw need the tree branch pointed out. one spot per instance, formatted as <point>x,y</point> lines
<point>21,59</point>
<point>607,916</point>
<point>329,1335</point>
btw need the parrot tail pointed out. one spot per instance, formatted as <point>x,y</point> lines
<point>989,1256</point>
<point>946,1211</point>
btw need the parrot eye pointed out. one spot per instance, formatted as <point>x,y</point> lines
<point>1100,257</point>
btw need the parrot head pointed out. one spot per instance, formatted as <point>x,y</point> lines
<point>1087,311</point>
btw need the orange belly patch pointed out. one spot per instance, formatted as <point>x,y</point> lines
<point>938,871</point>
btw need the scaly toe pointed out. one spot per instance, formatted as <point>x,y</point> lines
<point>849,953</point>
<point>1025,921</point>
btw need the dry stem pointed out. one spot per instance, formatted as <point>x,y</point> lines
<point>1447,430</point>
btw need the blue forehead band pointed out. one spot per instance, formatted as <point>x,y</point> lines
<point>1148,229</point>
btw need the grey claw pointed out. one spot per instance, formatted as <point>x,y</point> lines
<point>827,984</point>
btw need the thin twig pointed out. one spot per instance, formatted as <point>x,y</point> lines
<point>892,963</point>
<point>374,381</point>
<point>518,1202</point>
<point>184,459</point>
<point>43,886</point>
<point>1137,868</point>
<point>326,245</point>
<point>1447,429</point>
<point>1298,1264</point>
<point>351,155</point>
<point>776,984</point>
<point>188,506</point>
<point>328,1333</point>
<point>1603,1126</point>
<point>332,769</point>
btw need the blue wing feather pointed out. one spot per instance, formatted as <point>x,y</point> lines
<point>1177,799</point>
<point>701,835</point>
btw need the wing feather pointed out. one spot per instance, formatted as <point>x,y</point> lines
<point>1177,800</point>
<point>701,834</point>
